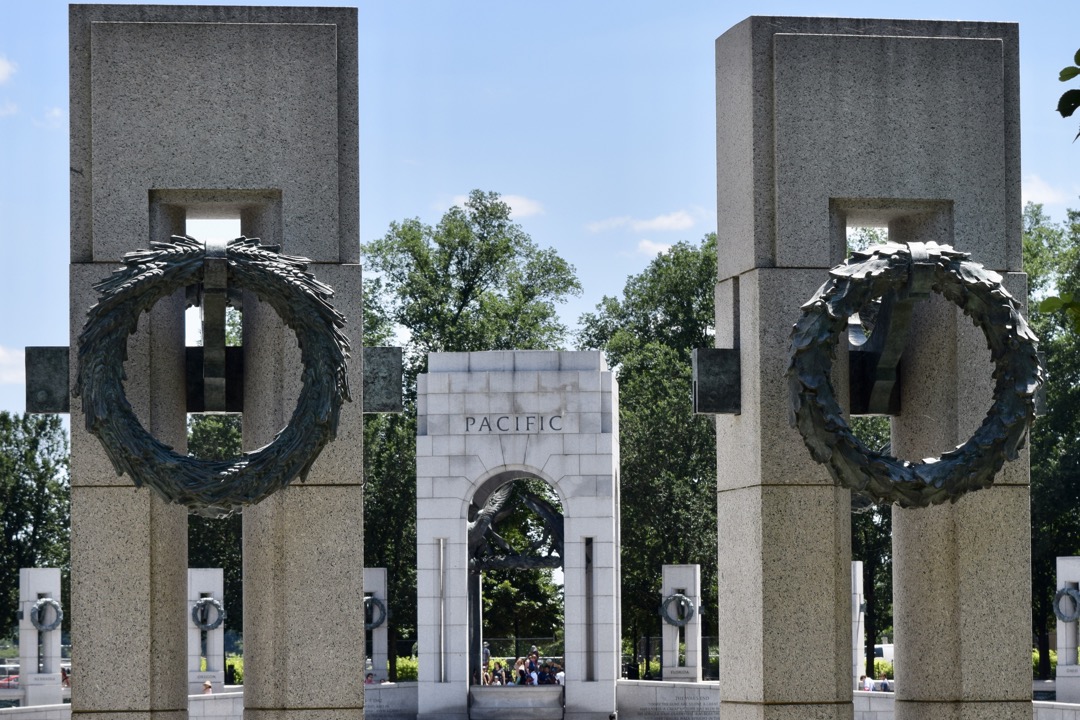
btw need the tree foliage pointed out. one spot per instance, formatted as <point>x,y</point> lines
<point>476,281</point>
<point>35,502</point>
<point>218,542</point>
<point>668,454</point>
<point>871,542</point>
<point>1050,259</point>
<point>1070,99</point>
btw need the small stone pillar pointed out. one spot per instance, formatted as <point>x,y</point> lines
<point>858,624</point>
<point>206,583</point>
<point>375,587</point>
<point>39,651</point>
<point>685,581</point>
<point>1067,605</point>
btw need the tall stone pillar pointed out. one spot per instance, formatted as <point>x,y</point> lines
<point>239,112</point>
<point>824,124</point>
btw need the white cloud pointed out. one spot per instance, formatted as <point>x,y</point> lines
<point>523,206</point>
<point>520,206</point>
<point>53,118</point>
<point>8,108</point>
<point>652,249</point>
<point>1035,189</point>
<point>7,69</point>
<point>11,367</point>
<point>678,220</point>
<point>609,224</point>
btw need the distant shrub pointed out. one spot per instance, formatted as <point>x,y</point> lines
<point>1035,663</point>
<point>882,666</point>
<point>236,662</point>
<point>408,669</point>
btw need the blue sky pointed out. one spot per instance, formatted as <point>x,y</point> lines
<point>594,118</point>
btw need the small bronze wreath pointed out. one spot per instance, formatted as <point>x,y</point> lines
<point>682,615</point>
<point>378,612</point>
<point>37,615</point>
<point>209,487</point>
<point>1061,614</point>
<point>818,416</point>
<point>200,613</point>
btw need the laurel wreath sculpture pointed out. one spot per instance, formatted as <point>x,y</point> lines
<point>200,611</point>
<point>378,613</point>
<point>682,615</point>
<point>37,615</point>
<point>818,416</point>
<point>1074,595</point>
<point>209,487</point>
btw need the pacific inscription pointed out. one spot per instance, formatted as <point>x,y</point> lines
<point>513,423</point>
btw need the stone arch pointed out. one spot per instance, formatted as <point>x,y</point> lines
<point>484,419</point>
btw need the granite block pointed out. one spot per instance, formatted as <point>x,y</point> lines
<point>128,549</point>
<point>561,466</point>
<point>777,543</point>
<point>536,360</point>
<point>292,556</point>
<point>442,362</point>
<point>769,66</point>
<point>135,142</point>
<point>491,361</point>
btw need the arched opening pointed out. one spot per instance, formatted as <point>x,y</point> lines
<point>516,605</point>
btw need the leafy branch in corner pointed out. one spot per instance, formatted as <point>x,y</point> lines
<point>1070,101</point>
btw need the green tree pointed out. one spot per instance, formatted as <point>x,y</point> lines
<point>35,502</point>
<point>218,542</point>
<point>871,542</point>
<point>668,454</point>
<point>476,281</point>
<point>1050,259</point>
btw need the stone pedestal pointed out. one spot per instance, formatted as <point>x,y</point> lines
<point>375,586</point>
<point>205,583</point>
<point>39,652</point>
<point>684,580</point>
<point>825,124</point>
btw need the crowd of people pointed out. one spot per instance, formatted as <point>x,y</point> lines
<point>529,670</point>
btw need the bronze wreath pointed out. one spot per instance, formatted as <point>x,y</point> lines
<point>200,611</point>
<point>209,487</point>
<point>1061,614</point>
<point>376,619</point>
<point>37,615</point>
<point>686,609</point>
<point>818,416</point>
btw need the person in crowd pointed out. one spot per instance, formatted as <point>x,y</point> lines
<point>520,671</point>
<point>883,684</point>
<point>866,683</point>
<point>208,688</point>
<point>560,676</point>
<point>369,679</point>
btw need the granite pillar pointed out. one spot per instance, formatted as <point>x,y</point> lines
<point>825,124</point>
<point>249,112</point>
